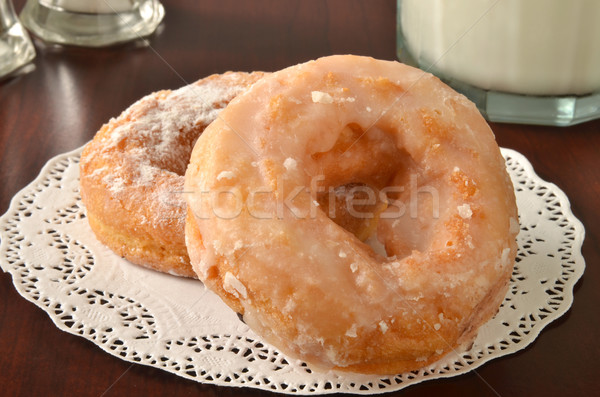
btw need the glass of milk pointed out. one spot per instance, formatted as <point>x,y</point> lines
<point>523,61</point>
<point>16,49</point>
<point>92,23</point>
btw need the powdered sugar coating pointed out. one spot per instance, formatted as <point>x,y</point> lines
<point>131,173</point>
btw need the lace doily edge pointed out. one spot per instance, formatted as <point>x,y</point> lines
<point>579,236</point>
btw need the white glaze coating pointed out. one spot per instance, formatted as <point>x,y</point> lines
<point>417,131</point>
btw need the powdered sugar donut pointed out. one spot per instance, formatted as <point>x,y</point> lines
<point>132,171</point>
<point>414,162</point>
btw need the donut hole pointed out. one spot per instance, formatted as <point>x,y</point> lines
<point>172,151</point>
<point>358,156</point>
<point>375,189</point>
<point>355,207</point>
<point>363,172</point>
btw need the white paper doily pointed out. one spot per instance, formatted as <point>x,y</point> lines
<point>176,324</point>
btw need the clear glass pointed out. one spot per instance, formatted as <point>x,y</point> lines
<point>524,61</point>
<point>92,23</point>
<point>16,49</point>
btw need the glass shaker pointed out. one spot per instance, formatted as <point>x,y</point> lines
<point>92,23</point>
<point>16,49</point>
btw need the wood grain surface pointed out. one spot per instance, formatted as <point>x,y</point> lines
<point>72,91</point>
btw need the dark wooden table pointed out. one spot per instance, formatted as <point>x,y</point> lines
<point>73,91</point>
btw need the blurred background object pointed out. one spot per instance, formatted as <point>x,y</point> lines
<point>92,23</point>
<point>524,61</point>
<point>16,49</point>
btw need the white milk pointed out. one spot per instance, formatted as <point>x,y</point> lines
<point>537,47</point>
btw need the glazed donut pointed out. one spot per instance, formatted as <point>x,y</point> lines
<point>263,180</point>
<point>131,173</point>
